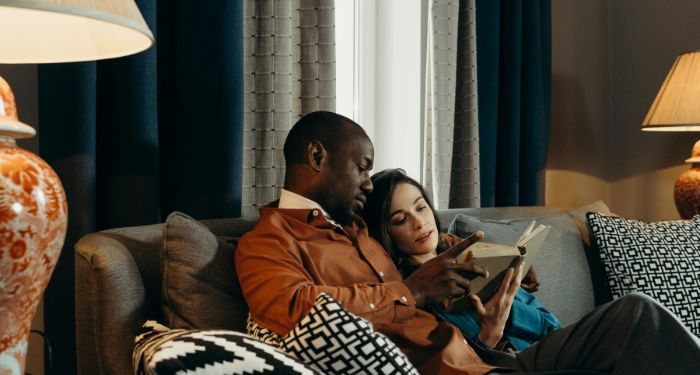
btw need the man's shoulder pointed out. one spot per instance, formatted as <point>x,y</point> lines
<point>272,222</point>
<point>279,223</point>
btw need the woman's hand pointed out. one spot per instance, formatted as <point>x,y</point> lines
<point>494,314</point>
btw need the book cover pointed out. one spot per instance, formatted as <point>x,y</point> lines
<point>496,259</point>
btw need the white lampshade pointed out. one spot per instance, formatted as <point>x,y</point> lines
<point>44,31</point>
<point>677,105</point>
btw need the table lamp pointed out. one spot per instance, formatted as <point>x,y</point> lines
<point>677,108</point>
<point>33,209</point>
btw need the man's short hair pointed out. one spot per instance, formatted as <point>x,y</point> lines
<point>326,127</point>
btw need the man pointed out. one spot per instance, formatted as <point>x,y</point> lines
<point>312,241</point>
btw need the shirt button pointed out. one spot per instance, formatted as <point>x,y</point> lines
<point>371,306</point>
<point>381,274</point>
<point>404,299</point>
<point>315,213</point>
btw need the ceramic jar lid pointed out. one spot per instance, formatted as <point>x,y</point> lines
<point>9,123</point>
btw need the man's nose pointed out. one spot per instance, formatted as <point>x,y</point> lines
<point>367,186</point>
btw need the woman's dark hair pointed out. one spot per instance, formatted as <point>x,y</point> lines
<point>376,210</point>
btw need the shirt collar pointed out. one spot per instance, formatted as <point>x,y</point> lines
<point>293,200</point>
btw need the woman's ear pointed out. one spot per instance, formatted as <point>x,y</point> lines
<point>316,155</point>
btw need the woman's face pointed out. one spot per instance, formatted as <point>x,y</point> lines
<point>412,224</point>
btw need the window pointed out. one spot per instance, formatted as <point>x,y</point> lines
<point>379,76</point>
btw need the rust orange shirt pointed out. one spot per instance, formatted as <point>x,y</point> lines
<point>292,255</point>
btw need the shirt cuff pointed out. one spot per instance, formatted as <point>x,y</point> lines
<point>404,303</point>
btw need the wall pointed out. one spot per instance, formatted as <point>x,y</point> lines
<point>23,80</point>
<point>609,59</point>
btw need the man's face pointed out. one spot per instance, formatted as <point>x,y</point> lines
<point>346,179</point>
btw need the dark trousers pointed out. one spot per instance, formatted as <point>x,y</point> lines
<point>631,335</point>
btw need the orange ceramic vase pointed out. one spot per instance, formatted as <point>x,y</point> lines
<point>33,219</point>
<point>686,191</point>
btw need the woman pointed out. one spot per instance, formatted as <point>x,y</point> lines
<point>400,216</point>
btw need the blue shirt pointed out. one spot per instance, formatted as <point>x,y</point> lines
<point>527,323</point>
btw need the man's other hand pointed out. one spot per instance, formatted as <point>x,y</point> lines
<point>443,276</point>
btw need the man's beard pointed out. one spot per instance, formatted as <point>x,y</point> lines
<point>342,215</point>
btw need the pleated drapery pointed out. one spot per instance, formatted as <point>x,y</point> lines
<point>451,158</point>
<point>289,71</point>
<point>514,60</point>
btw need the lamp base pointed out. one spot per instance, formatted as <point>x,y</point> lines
<point>33,219</point>
<point>686,192</point>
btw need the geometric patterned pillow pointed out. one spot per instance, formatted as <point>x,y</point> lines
<point>660,259</point>
<point>160,350</point>
<point>335,341</point>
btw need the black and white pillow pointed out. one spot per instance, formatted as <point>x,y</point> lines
<point>660,259</point>
<point>160,350</point>
<point>336,341</point>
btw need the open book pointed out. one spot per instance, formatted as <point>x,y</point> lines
<point>496,259</point>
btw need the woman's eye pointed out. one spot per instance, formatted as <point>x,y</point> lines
<point>400,221</point>
<point>362,168</point>
<point>420,208</point>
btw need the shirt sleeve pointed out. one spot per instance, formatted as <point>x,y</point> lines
<point>280,291</point>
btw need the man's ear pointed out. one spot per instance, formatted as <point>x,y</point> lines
<point>316,155</point>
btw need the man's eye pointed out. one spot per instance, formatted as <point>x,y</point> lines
<point>361,167</point>
<point>420,208</point>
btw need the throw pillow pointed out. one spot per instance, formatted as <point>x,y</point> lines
<point>199,287</point>
<point>160,350</point>
<point>336,341</point>
<point>567,287</point>
<point>660,259</point>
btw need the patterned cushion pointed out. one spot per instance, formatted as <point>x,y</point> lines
<point>660,259</point>
<point>336,341</point>
<point>159,350</point>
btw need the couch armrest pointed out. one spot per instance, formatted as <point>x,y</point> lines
<point>109,304</point>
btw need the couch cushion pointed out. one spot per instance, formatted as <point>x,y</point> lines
<point>567,288</point>
<point>660,259</point>
<point>160,350</point>
<point>199,286</point>
<point>336,341</point>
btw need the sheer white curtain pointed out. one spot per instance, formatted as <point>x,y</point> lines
<point>451,140</point>
<point>289,67</point>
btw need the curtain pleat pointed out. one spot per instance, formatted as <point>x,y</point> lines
<point>135,138</point>
<point>289,71</point>
<point>514,79</point>
<point>465,179</point>
<point>450,106</point>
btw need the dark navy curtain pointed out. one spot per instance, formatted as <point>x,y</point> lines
<point>514,87</point>
<point>135,138</point>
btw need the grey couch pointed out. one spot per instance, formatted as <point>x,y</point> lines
<point>118,278</point>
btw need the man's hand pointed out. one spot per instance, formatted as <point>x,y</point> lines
<point>442,276</point>
<point>494,314</point>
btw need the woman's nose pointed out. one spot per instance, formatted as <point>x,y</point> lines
<point>419,223</point>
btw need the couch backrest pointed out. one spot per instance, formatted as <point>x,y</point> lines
<point>118,283</point>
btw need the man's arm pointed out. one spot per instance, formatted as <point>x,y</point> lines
<point>280,291</point>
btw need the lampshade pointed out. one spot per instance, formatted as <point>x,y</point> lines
<point>677,105</point>
<point>42,31</point>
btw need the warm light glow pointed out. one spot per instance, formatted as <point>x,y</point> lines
<point>677,105</point>
<point>70,30</point>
